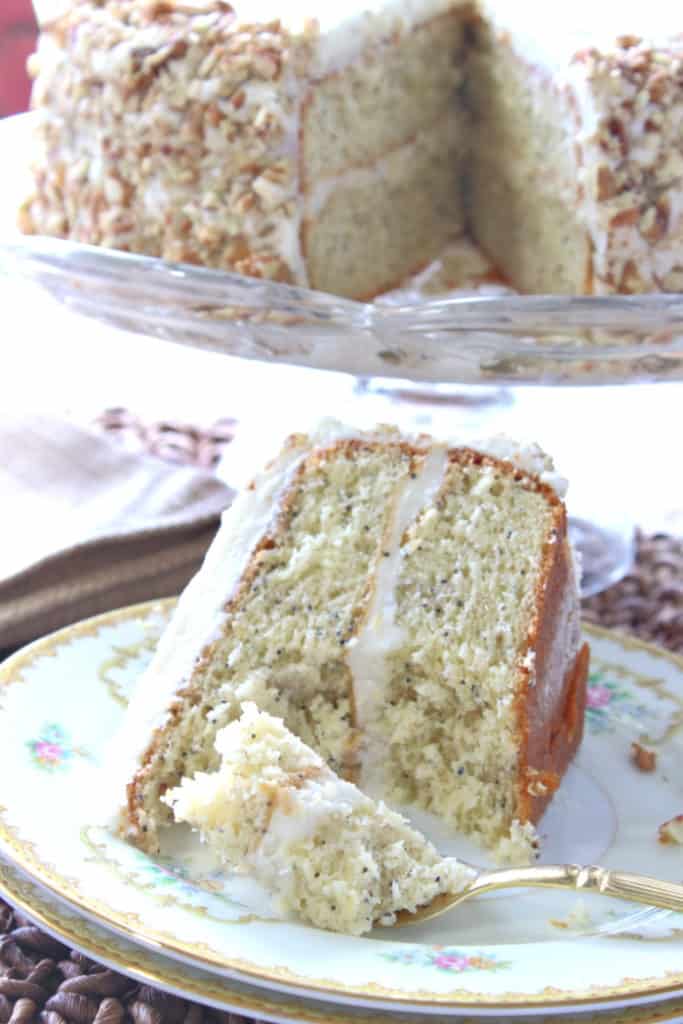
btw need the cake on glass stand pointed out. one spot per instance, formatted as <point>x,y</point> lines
<point>454,351</point>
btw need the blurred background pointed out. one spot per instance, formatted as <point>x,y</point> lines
<point>17,40</point>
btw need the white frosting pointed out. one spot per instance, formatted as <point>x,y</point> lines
<point>197,619</point>
<point>345,28</point>
<point>529,457</point>
<point>307,809</point>
<point>378,175</point>
<point>550,34</point>
<point>368,651</point>
<point>317,198</point>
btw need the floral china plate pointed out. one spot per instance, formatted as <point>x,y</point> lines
<point>75,931</point>
<point>70,927</point>
<point>62,698</point>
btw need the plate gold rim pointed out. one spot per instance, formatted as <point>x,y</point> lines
<point>20,853</point>
<point>49,918</point>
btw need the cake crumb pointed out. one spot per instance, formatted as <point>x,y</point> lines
<point>519,847</point>
<point>671,831</point>
<point>578,919</point>
<point>645,760</point>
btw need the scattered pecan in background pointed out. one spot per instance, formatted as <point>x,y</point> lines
<point>644,760</point>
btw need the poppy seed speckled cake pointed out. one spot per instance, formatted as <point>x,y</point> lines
<point>408,608</point>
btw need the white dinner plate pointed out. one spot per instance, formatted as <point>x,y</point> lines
<point>62,698</point>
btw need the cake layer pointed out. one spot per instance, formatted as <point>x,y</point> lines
<point>466,595</point>
<point>328,853</point>
<point>398,88</point>
<point>364,229</point>
<point>408,608</point>
<point>521,184</point>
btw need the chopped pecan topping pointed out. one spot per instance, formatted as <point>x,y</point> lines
<point>672,831</point>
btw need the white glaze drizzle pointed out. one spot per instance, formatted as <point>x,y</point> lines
<point>379,634</point>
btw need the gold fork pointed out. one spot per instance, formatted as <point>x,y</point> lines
<point>623,885</point>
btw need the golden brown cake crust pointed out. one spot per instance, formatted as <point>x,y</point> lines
<point>550,736</point>
<point>547,743</point>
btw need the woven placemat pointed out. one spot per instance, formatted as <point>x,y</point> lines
<point>40,980</point>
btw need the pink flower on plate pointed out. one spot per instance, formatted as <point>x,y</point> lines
<point>598,696</point>
<point>51,750</point>
<point>48,753</point>
<point>449,962</point>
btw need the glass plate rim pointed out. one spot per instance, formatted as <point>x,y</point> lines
<point>463,337</point>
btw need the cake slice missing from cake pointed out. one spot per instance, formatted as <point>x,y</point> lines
<point>331,855</point>
<point>408,608</point>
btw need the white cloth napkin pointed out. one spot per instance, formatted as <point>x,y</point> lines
<point>87,526</point>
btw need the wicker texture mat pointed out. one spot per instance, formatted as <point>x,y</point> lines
<point>40,980</point>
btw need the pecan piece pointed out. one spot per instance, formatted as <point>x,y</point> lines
<point>645,760</point>
<point>607,183</point>
<point>671,831</point>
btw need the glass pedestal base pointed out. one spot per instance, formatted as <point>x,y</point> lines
<point>606,553</point>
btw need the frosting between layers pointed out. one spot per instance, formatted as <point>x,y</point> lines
<point>379,634</point>
<point>391,166</point>
<point>307,809</point>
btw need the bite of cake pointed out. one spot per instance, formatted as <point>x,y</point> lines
<point>331,855</point>
<point>408,608</point>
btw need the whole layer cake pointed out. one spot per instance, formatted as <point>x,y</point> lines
<point>409,608</point>
<point>342,148</point>
<point>328,853</point>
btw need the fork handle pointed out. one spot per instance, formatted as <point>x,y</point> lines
<point>624,885</point>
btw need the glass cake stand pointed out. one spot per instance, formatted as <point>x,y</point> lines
<point>469,362</point>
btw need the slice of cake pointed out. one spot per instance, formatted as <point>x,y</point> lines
<point>323,150</point>
<point>409,609</point>
<point>275,811</point>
